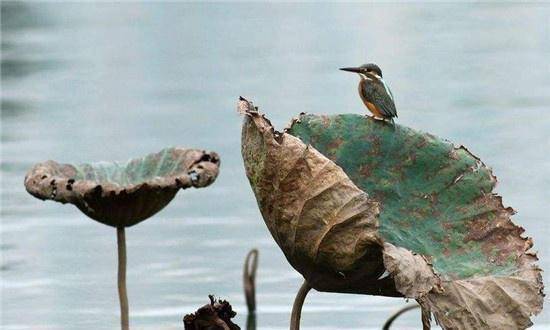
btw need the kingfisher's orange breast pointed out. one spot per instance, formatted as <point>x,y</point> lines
<point>372,108</point>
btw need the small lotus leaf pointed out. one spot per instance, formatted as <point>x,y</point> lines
<point>124,194</point>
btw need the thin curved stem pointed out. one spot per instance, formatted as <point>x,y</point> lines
<point>249,279</point>
<point>395,315</point>
<point>297,307</point>
<point>122,295</point>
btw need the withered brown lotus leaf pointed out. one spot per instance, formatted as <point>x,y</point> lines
<point>123,194</point>
<point>324,224</point>
<point>347,198</point>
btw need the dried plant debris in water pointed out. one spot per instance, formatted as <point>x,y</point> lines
<point>121,194</point>
<point>347,198</point>
<point>216,315</point>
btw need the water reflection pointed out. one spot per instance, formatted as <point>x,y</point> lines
<point>93,81</point>
<point>12,108</point>
<point>17,19</point>
<point>14,68</point>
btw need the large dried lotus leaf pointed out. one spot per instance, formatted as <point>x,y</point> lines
<point>445,237</point>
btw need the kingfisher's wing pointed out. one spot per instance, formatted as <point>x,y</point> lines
<point>382,97</point>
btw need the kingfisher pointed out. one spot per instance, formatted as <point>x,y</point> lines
<point>374,91</point>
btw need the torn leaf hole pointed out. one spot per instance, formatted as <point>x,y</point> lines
<point>205,158</point>
<point>194,176</point>
<point>384,275</point>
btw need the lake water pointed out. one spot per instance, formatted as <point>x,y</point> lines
<point>87,82</point>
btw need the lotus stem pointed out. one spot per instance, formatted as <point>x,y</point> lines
<point>395,315</point>
<point>249,279</point>
<point>297,307</point>
<point>251,321</point>
<point>426,319</point>
<point>122,295</point>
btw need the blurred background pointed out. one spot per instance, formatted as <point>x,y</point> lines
<point>102,81</point>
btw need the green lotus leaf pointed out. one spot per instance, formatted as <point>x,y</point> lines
<point>347,197</point>
<point>122,194</point>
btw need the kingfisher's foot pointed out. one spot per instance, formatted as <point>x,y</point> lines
<point>371,116</point>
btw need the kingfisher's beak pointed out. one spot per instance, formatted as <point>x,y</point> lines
<point>356,70</point>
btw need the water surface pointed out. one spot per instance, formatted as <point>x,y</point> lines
<point>88,82</point>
